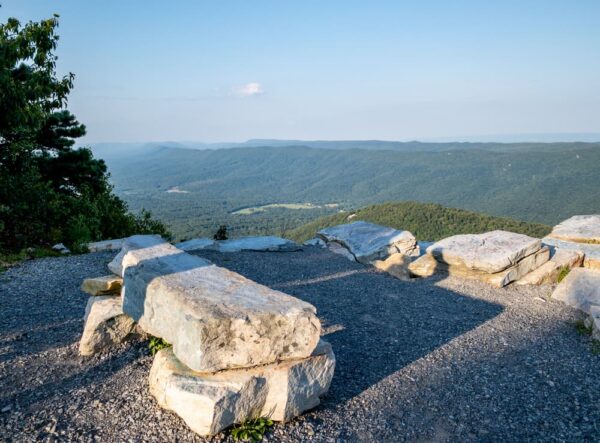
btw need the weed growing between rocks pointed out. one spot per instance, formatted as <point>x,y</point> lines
<point>156,344</point>
<point>582,329</point>
<point>253,429</point>
<point>564,271</point>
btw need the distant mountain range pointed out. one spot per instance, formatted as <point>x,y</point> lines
<point>535,182</point>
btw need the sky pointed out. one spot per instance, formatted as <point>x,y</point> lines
<point>392,70</point>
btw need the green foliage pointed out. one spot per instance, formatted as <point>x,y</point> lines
<point>541,183</point>
<point>10,259</point>
<point>251,430</point>
<point>49,191</point>
<point>221,233</point>
<point>425,220</point>
<point>582,329</point>
<point>156,344</point>
<point>562,273</point>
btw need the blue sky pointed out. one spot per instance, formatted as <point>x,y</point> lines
<point>395,70</point>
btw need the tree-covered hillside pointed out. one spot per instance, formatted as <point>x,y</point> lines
<point>426,221</point>
<point>533,184</point>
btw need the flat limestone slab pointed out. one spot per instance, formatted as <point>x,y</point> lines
<point>195,244</point>
<point>217,319</point>
<point>427,266</point>
<point>106,245</point>
<point>138,248</point>
<point>105,324</point>
<point>591,252</point>
<point>109,284</point>
<point>336,248</point>
<point>210,402</point>
<point>490,252</point>
<point>549,271</point>
<point>580,289</point>
<point>265,243</point>
<point>260,243</point>
<point>368,241</point>
<point>579,229</point>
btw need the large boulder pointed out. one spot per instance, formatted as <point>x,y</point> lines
<point>591,252</point>
<point>138,248</point>
<point>578,229</point>
<point>368,242</point>
<point>210,402</point>
<point>105,324</point>
<point>109,284</point>
<point>549,271</point>
<point>427,265</point>
<point>490,252</point>
<point>580,289</point>
<point>216,319</point>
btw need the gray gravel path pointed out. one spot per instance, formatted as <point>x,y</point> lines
<point>431,360</point>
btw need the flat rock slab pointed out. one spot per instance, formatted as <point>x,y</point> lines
<point>368,241</point>
<point>138,248</point>
<point>548,273</point>
<point>106,245</point>
<point>217,319</point>
<point>580,289</point>
<point>195,244</point>
<point>336,248</point>
<point>105,324</point>
<point>591,252</point>
<point>579,229</point>
<point>261,243</point>
<point>427,265</point>
<point>210,402</point>
<point>266,243</point>
<point>490,252</point>
<point>109,284</point>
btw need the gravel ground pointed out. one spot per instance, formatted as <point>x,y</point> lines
<point>430,360</point>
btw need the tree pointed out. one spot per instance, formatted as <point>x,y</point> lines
<point>49,191</point>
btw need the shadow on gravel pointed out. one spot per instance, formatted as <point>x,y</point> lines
<point>382,323</point>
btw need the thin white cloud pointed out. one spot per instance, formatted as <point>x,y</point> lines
<point>248,90</point>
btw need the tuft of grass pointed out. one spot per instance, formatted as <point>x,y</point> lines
<point>562,273</point>
<point>582,329</point>
<point>156,344</point>
<point>253,429</point>
<point>10,259</point>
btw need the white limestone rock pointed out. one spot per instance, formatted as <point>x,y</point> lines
<point>195,244</point>
<point>60,247</point>
<point>336,248</point>
<point>265,243</point>
<point>138,248</point>
<point>549,271</point>
<point>369,242</point>
<point>318,242</point>
<point>490,252</point>
<point>105,324</point>
<point>210,402</point>
<point>594,321</point>
<point>580,289</point>
<point>591,252</point>
<point>396,265</point>
<point>109,284</point>
<point>217,319</point>
<point>106,245</point>
<point>578,229</point>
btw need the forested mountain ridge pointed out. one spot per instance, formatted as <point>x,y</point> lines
<point>428,222</point>
<point>526,184</point>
